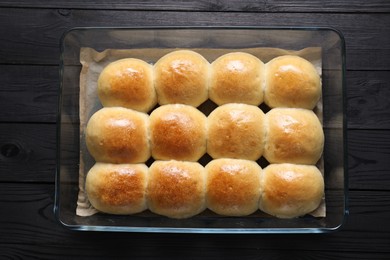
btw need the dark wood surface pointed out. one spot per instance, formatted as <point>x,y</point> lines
<point>30,32</point>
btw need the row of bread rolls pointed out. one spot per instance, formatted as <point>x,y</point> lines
<point>182,132</point>
<point>186,77</point>
<point>230,187</point>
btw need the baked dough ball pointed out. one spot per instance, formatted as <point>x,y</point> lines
<point>237,77</point>
<point>127,83</point>
<point>177,132</point>
<point>294,135</point>
<point>236,131</point>
<point>233,186</point>
<point>176,189</point>
<point>117,188</point>
<point>182,77</point>
<point>291,81</point>
<point>118,135</point>
<point>290,190</point>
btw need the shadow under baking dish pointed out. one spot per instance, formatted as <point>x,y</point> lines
<point>332,45</point>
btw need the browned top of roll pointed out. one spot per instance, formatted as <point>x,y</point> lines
<point>127,83</point>
<point>237,77</point>
<point>291,81</point>
<point>178,132</point>
<point>176,189</point>
<point>236,131</point>
<point>117,188</point>
<point>118,135</point>
<point>233,186</point>
<point>294,135</point>
<point>182,77</point>
<point>290,190</point>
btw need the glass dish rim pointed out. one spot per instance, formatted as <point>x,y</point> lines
<point>337,227</point>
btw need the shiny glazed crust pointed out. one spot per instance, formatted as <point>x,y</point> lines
<point>182,77</point>
<point>237,77</point>
<point>127,83</point>
<point>291,81</point>
<point>118,135</point>
<point>117,188</point>
<point>176,189</point>
<point>290,190</point>
<point>236,131</point>
<point>294,135</point>
<point>233,186</point>
<point>178,132</point>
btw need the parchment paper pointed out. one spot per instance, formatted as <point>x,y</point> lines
<point>93,63</point>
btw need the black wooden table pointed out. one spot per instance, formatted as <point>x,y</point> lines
<point>30,32</point>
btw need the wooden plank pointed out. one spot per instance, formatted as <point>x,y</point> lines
<point>32,35</point>
<point>28,154</point>
<point>29,93</point>
<point>186,251</point>
<point>368,95</point>
<point>367,151</point>
<point>29,229</point>
<point>213,5</point>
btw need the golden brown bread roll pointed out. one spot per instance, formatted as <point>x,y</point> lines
<point>290,190</point>
<point>294,135</point>
<point>182,77</point>
<point>118,135</point>
<point>291,81</point>
<point>237,77</point>
<point>177,132</point>
<point>176,189</point>
<point>127,83</point>
<point>233,186</point>
<point>117,188</point>
<point>236,131</point>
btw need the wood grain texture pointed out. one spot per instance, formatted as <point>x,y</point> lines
<point>368,153</point>
<point>32,35</point>
<point>367,150</point>
<point>203,251</point>
<point>213,5</point>
<point>38,234</point>
<point>29,93</point>
<point>368,95</point>
<point>27,152</point>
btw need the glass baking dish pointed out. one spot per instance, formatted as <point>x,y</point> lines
<point>332,47</point>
